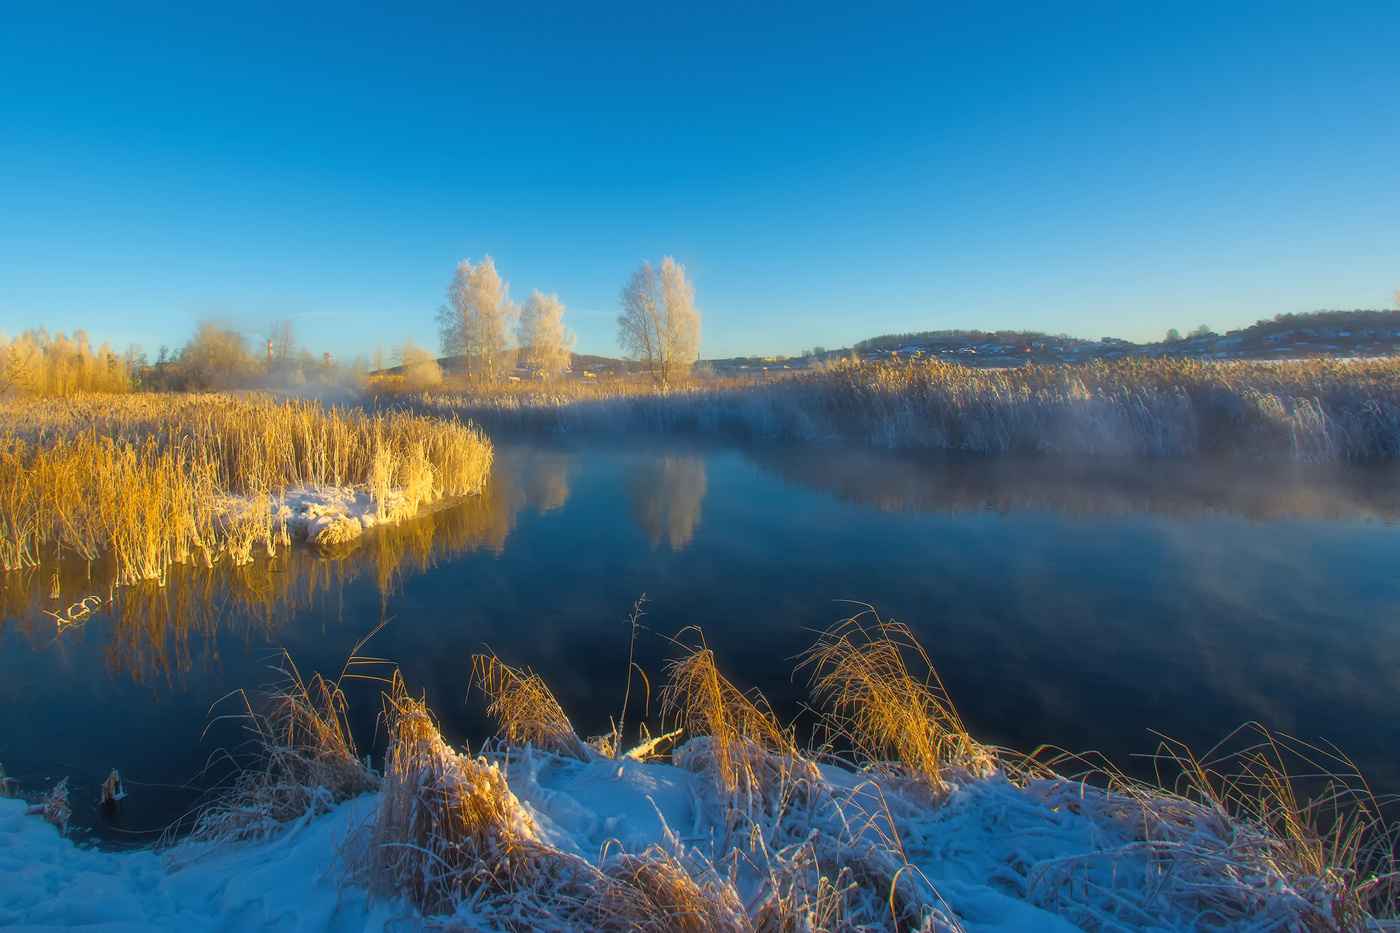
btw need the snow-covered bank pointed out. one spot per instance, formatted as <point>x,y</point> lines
<point>331,515</point>
<point>738,829</point>
<point>287,884</point>
<point>988,855</point>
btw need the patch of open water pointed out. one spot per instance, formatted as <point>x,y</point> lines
<point>1077,604</point>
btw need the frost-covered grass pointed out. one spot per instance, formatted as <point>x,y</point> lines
<point>154,480</point>
<point>914,826</point>
<point>1310,410</point>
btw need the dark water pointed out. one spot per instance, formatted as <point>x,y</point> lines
<point>1074,604</point>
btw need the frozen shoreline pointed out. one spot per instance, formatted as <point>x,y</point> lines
<point>989,854</point>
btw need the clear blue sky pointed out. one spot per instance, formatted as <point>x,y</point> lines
<point>825,173</point>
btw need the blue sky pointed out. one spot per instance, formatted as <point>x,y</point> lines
<point>825,173</point>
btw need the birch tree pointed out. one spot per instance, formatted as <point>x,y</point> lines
<point>542,337</point>
<point>477,321</point>
<point>659,324</point>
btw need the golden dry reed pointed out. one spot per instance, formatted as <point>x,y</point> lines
<point>1322,409</point>
<point>309,761</point>
<point>885,712</point>
<point>1227,840</point>
<point>525,709</point>
<point>156,479</point>
<point>742,731</point>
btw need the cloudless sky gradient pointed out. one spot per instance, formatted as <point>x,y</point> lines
<point>826,173</point>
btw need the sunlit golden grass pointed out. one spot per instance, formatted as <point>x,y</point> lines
<point>742,731</point>
<point>1231,839</point>
<point>887,714</point>
<point>446,824</point>
<point>1321,409</point>
<point>524,708</point>
<point>155,479</point>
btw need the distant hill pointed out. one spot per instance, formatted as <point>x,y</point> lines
<point>1362,333</point>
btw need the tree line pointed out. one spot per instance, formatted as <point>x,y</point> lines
<point>484,335</point>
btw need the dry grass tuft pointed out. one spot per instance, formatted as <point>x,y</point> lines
<point>308,763</point>
<point>525,709</point>
<point>447,827</point>
<point>655,890</point>
<point>743,734</point>
<point>1328,830</point>
<point>53,806</point>
<point>112,789</point>
<point>888,715</point>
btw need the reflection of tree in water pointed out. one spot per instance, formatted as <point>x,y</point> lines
<point>541,478</point>
<point>165,632</point>
<point>1186,486</point>
<point>666,494</point>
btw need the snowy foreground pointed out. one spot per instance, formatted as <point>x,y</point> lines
<point>289,883</point>
<point>987,854</point>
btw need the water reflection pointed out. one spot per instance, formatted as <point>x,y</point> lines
<point>952,484</point>
<point>666,495</point>
<point>163,632</point>
<point>1073,603</point>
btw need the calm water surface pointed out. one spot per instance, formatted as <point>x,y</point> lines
<point>1073,604</point>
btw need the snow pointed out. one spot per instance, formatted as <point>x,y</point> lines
<point>287,884</point>
<point>991,854</point>
<point>329,515</point>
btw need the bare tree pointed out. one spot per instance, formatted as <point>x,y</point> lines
<point>542,337</point>
<point>477,320</point>
<point>281,346</point>
<point>659,324</point>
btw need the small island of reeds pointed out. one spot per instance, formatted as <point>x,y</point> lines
<point>148,480</point>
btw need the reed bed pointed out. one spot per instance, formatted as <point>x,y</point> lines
<point>842,838</point>
<point>154,480</point>
<point>1320,410</point>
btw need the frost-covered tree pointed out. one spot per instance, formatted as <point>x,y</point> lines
<point>543,339</point>
<point>216,358</point>
<point>659,324</point>
<point>477,321</point>
<point>420,370</point>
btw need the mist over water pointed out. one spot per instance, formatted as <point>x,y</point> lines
<point>1075,603</point>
